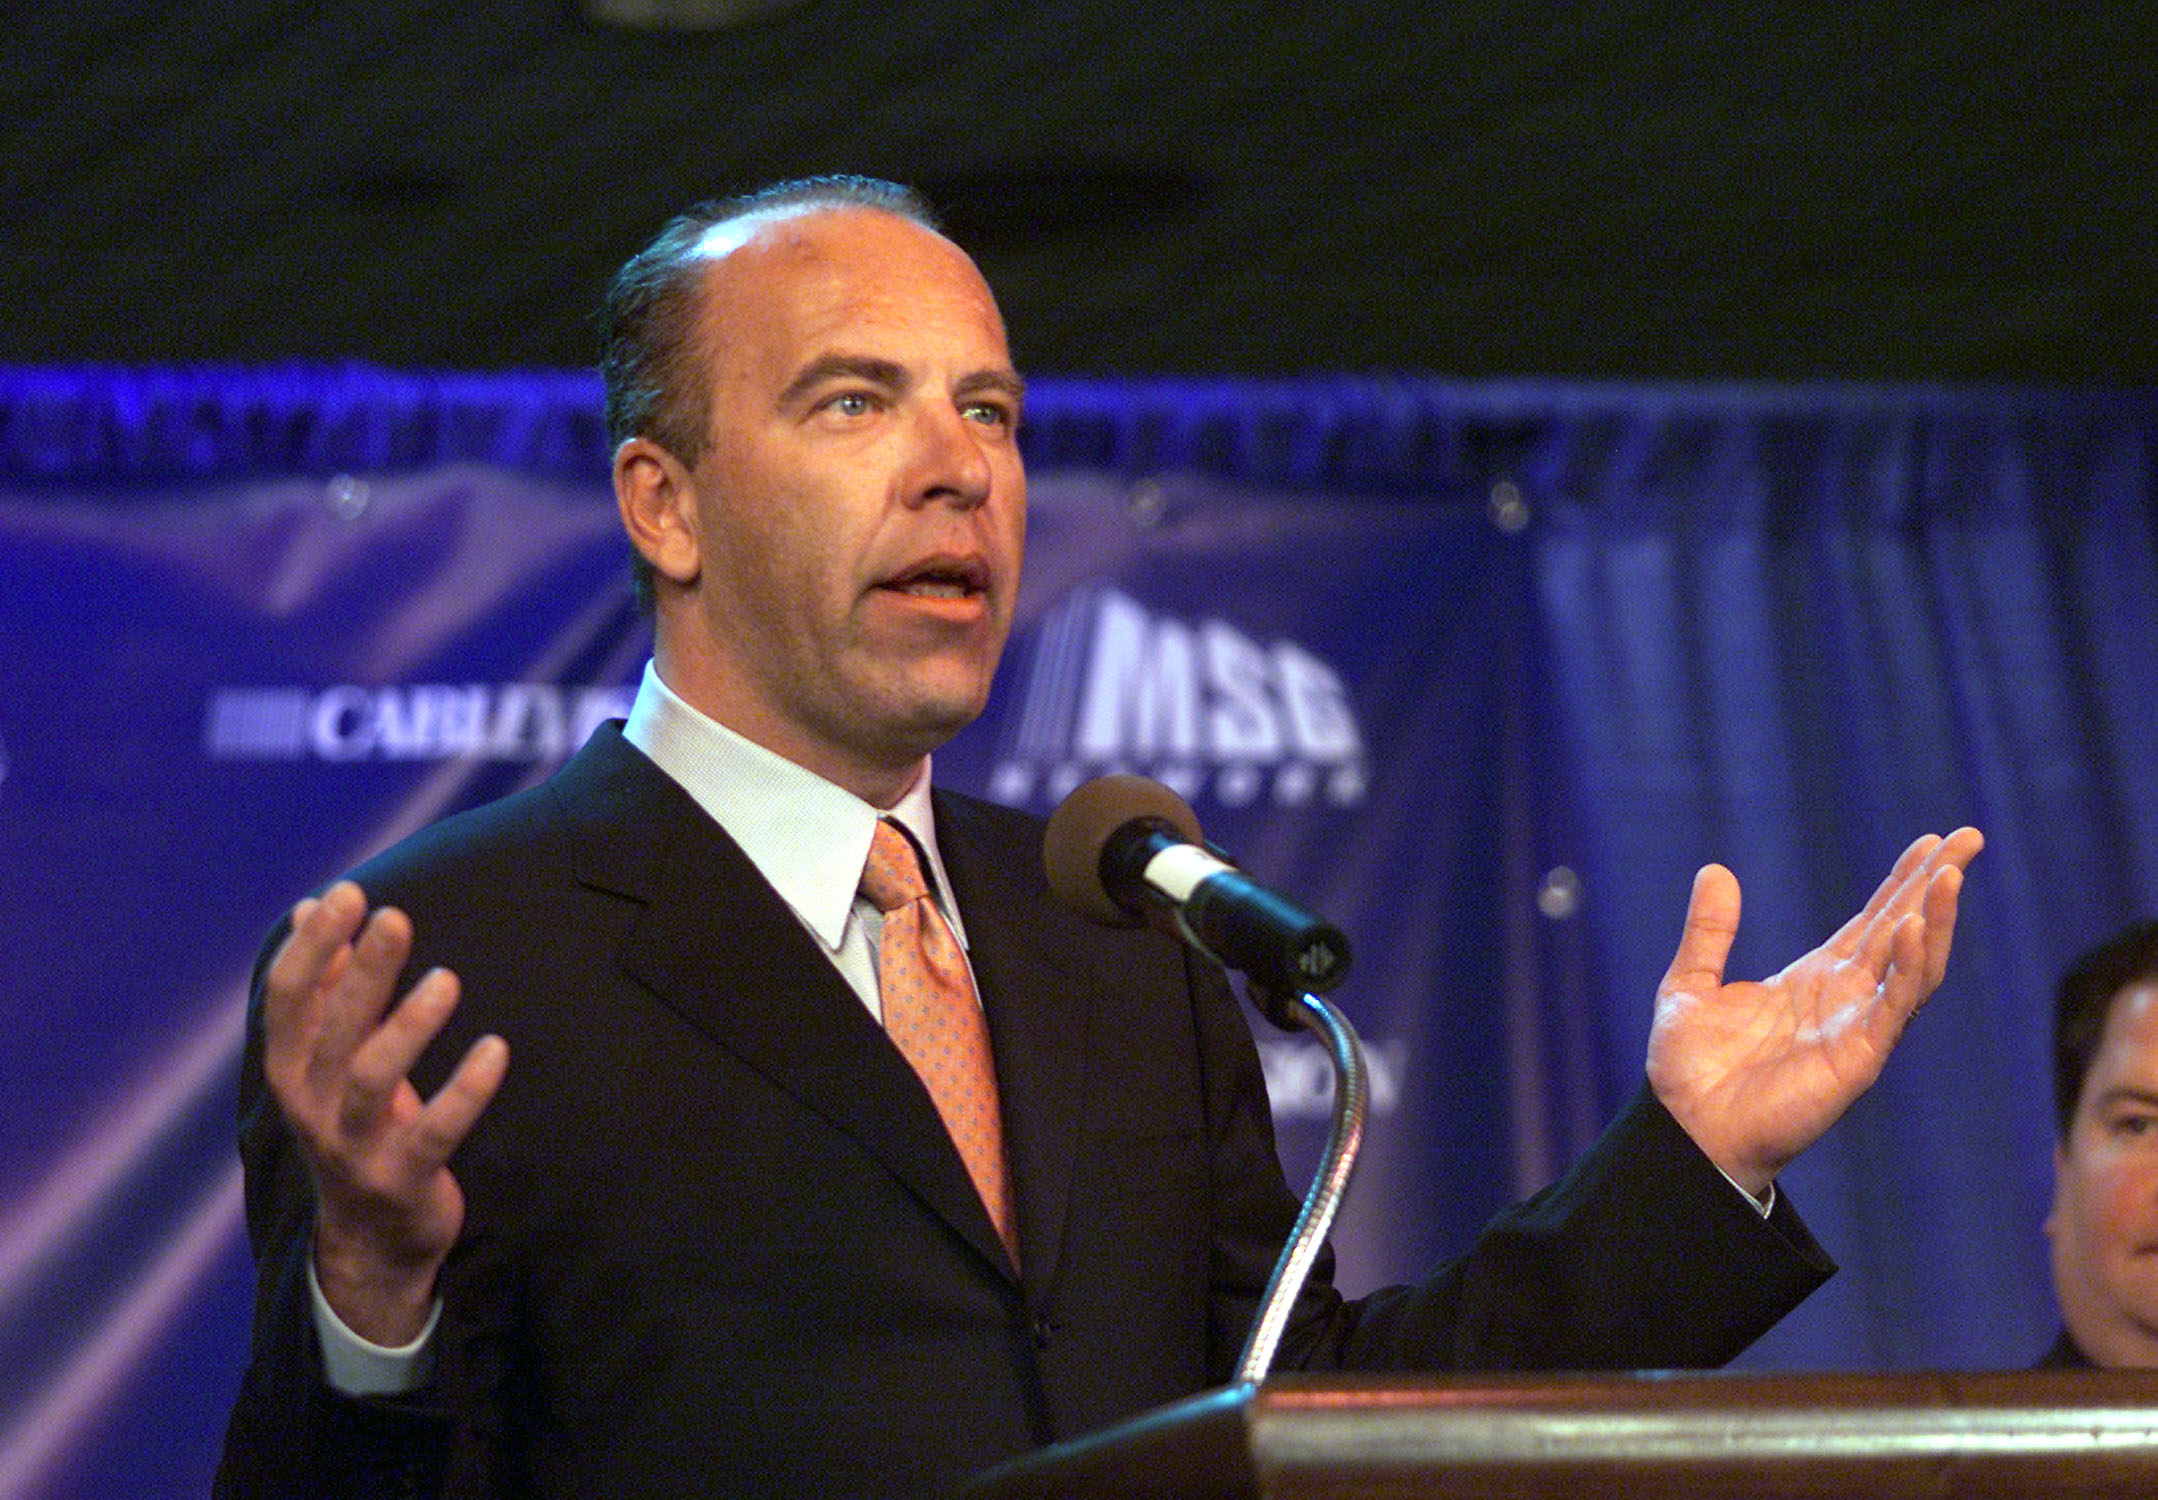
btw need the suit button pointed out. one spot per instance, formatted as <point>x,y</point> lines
<point>1043,1329</point>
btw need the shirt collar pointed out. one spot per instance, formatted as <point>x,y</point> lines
<point>807,836</point>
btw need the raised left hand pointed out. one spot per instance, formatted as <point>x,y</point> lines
<point>1755,1073</point>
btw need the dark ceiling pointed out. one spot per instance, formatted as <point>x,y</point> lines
<point>1627,190</point>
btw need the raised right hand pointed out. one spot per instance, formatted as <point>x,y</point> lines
<point>338,1056</point>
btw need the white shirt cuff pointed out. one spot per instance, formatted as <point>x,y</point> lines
<point>355,1367</point>
<point>1763,1206</point>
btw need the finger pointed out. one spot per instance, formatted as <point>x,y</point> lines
<point>1906,982</point>
<point>1848,939</point>
<point>355,1000</point>
<point>1929,893</point>
<point>1902,989</point>
<point>1908,890</point>
<point>1875,949</point>
<point>320,928</point>
<point>1943,894</point>
<point>1955,852</point>
<point>1960,848</point>
<point>384,1059</point>
<point>1704,944</point>
<point>307,963</point>
<point>441,1127</point>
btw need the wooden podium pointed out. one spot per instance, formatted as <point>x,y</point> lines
<point>2048,1434</point>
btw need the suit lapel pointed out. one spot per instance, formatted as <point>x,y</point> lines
<point>717,944</point>
<point>1040,1020</point>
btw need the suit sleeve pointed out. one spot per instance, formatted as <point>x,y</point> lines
<point>1643,1256</point>
<point>290,1433</point>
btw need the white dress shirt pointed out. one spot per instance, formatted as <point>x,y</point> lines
<point>807,836</point>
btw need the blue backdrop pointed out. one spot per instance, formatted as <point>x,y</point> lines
<point>1483,672</point>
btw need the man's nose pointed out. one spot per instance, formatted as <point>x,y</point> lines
<point>953,467</point>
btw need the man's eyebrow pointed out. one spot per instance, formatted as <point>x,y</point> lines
<point>883,372</point>
<point>1005,382</point>
<point>2128,1093</point>
<point>893,376</point>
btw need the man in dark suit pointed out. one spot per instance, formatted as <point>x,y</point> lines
<point>2104,1222</point>
<point>709,1234</point>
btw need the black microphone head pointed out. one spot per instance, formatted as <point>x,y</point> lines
<point>1083,824</point>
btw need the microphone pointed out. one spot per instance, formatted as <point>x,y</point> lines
<point>1125,850</point>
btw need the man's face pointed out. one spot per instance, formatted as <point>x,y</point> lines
<point>2104,1224</point>
<point>861,506</point>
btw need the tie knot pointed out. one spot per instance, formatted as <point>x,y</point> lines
<point>893,876</point>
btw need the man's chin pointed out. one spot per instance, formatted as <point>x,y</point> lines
<point>925,721</point>
<point>2128,1326</point>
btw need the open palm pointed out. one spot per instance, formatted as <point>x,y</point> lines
<point>1755,1072</point>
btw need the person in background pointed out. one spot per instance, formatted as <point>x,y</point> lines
<point>2104,1222</point>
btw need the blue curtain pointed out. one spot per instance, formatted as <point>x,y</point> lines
<point>1483,670</point>
<point>1793,628</point>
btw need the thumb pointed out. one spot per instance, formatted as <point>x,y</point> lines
<point>1705,943</point>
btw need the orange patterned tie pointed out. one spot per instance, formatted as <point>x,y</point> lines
<point>932,1015</point>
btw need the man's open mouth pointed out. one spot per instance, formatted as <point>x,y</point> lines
<point>941,580</point>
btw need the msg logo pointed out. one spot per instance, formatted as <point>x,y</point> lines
<point>1201,707</point>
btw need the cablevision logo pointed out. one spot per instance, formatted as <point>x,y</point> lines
<point>1202,708</point>
<point>515,721</point>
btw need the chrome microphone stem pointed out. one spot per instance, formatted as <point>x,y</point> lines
<point>1328,1183</point>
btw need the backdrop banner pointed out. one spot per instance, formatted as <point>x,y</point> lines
<point>1483,673</point>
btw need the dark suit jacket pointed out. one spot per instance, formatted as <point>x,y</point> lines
<point>719,1244</point>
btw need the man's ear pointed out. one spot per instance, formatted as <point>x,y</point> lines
<point>658,502</point>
